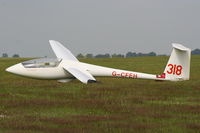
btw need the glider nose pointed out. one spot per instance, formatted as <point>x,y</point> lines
<point>16,69</point>
<point>10,69</point>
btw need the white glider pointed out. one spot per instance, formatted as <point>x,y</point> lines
<point>67,67</point>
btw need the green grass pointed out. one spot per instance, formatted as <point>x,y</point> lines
<point>114,105</point>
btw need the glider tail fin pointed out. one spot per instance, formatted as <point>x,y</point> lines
<point>178,66</point>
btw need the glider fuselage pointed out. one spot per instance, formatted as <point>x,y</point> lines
<point>58,72</point>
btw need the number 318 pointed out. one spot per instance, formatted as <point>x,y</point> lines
<point>174,69</point>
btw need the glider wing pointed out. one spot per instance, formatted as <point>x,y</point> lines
<point>82,75</point>
<point>61,52</point>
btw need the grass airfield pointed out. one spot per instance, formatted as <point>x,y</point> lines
<point>114,105</point>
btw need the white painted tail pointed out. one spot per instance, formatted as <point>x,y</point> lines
<point>178,66</point>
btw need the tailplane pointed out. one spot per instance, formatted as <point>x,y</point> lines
<point>178,66</point>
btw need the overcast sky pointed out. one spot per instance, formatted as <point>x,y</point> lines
<point>98,26</point>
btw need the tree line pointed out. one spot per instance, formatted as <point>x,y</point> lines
<point>5,55</point>
<point>127,55</point>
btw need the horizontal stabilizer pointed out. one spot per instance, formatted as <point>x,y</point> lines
<point>180,47</point>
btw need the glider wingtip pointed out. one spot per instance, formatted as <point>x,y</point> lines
<point>91,81</point>
<point>52,41</point>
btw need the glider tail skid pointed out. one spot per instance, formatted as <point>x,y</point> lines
<point>178,66</point>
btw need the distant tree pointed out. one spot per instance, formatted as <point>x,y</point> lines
<point>16,56</point>
<point>4,55</point>
<point>131,54</point>
<point>99,56</point>
<point>196,52</point>
<point>117,56</point>
<point>107,56</point>
<point>102,56</point>
<point>152,54</point>
<point>89,55</point>
<point>114,55</point>
<point>141,54</point>
<point>121,55</point>
<point>80,56</point>
<point>134,54</point>
<point>162,55</point>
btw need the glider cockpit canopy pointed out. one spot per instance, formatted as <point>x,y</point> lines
<point>42,63</point>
